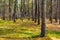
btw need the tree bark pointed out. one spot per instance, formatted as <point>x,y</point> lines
<point>35,11</point>
<point>43,19</point>
<point>9,9</point>
<point>50,13</point>
<point>38,9</point>
<point>3,10</point>
<point>56,14</point>
<point>15,7</point>
<point>32,11</point>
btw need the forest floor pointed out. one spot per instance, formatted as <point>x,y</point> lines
<point>54,29</point>
<point>27,30</point>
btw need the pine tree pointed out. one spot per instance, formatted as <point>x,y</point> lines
<point>15,7</point>
<point>50,13</point>
<point>38,9</point>
<point>43,19</point>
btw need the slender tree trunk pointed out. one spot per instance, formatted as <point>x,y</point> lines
<point>59,10</point>
<point>59,18</point>
<point>9,9</point>
<point>38,9</point>
<point>24,8</point>
<point>43,19</point>
<point>3,10</point>
<point>35,11</point>
<point>15,7</point>
<point>50,15</point>
<point>28,11</point>
<point>0,7</point>
<point>21,11</point>
<point>32,11</point>
<point>56,14</point>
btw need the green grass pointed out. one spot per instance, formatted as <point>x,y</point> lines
<point>18,29</point>
<point>18,32</point>
<point>54,34</point>
<point>22,29</point>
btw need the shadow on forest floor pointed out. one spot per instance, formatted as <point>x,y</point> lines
<point>13,31</point>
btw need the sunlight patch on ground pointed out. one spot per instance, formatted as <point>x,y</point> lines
<point>54,38</point>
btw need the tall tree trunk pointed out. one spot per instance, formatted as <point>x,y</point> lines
<point>56,14</point>
<point>28,11</point>
<point>24,8</point>
<point>0,7</point>
<point>43,19</point>
<point>21,11</point>
<point>9,9</point>
<point>35,11</point>
<point>38,9</point>
<point>3,10</point>
<point>32,11</point>
<point>50,13</point>
<point>59,10</point>
<point>15,7</point>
